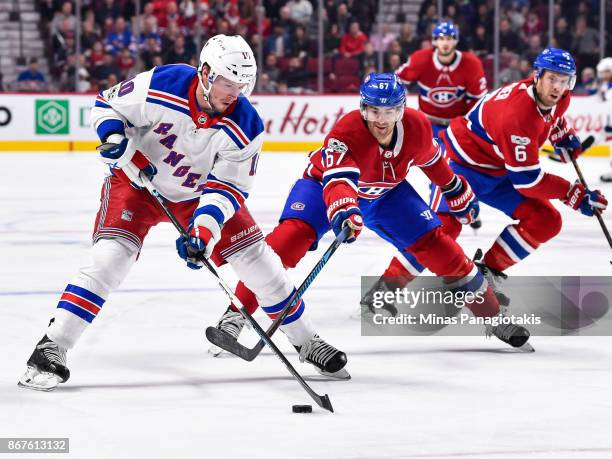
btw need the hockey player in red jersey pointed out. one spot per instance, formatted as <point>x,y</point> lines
<point>450,81</point>
<point>358,178</point>
<point>496,145</point>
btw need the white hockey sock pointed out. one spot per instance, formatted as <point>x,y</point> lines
<point>299,331</point>
<point>111,260</point>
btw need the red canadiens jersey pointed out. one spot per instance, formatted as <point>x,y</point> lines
<point>503,134</point>
<point>350,154</point>
<point>445,91</point>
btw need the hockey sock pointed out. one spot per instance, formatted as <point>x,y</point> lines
<point>400,272</point>
<point>84,296</point>
<point>291,240</point>
<point>438,252</point>
<point>539,222</point>
<point>297,325</point>
<point>451,225</point>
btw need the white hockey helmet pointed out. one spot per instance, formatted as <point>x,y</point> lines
<point>604,65</point>
<point>230,57</point>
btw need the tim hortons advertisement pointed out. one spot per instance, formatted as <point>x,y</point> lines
<point>60,122</point>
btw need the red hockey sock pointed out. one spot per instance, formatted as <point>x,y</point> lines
<point>441,254</point>
<point>438,252</point>
<point>396,274</point>
<point>451,225</point>
<point>538,222</point>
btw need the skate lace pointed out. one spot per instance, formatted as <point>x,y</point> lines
<point>318,351</point>
<point>53,352</point>
<point>231,323</point>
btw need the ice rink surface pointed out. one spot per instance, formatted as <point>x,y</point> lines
<point>143,385</point>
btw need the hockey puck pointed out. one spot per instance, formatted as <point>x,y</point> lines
<point>301,408</point>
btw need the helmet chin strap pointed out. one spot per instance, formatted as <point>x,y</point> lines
<point>206,92</point>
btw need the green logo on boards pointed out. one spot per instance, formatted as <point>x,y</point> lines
<point>52,116</point>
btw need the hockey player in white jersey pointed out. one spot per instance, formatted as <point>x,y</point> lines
<point>194,133</point>
<point>604,73</point>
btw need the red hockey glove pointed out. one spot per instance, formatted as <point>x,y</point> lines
<point>584,200</point>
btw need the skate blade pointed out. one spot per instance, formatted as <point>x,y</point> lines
<point>36,380</point>
<point>340,374</point>
<point>526,348</point>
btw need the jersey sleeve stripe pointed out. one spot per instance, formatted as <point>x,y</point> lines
<point>526,179</point>
<point>236,129</point>
<point>169,97</point>
<point>533,167</point>
<point>213,181</point>
<point>212,210</point>
<point>108,127</point>
<point>475,125</point>
<point>168,104</point>
<point>230,134</point>
<point>433,160</point>
<point>452,141</point>
<point>342,170</point>
<point>476,96</point>
<point>344,180</point>
<point>225,194</point>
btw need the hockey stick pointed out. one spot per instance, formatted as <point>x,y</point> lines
<point>588,142</point>
<point>230,344</point>
<point>323,401</point>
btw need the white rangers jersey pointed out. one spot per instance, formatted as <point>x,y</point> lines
<point>212,158</point>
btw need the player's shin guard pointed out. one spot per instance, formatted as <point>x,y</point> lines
<point>84,296</point>
<point>263,273</point>
<point>290,240</point>
<point>451,225</point>
<point>297,325</point>
<point>398,274</point>
<point>539,222</point>
<point>438,252</point>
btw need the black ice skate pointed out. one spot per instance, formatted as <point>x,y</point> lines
<point>46,367</point>
<point>367,301</point>
<point>514,335</point>
<point>327,360</point>
<point>494,279</point>
<point>232,323</point>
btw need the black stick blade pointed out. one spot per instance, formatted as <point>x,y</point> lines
<point>228,343</point>
<point>326,403</point>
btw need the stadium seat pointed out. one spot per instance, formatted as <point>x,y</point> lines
<point>346,66</point>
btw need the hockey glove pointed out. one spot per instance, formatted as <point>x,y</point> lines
<point>113,151</point>
<point>584,200</point>
<point>147,169</point>
<point>567,147</point>
<point>344,211</point>
<point>204,233</point>
<point>462,202</point>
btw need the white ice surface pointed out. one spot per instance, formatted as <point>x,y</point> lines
<point>143,386</point>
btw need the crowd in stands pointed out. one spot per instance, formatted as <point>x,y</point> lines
<point>117,41</point>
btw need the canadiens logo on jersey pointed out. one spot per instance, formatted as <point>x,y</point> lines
<point>442,97</point>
